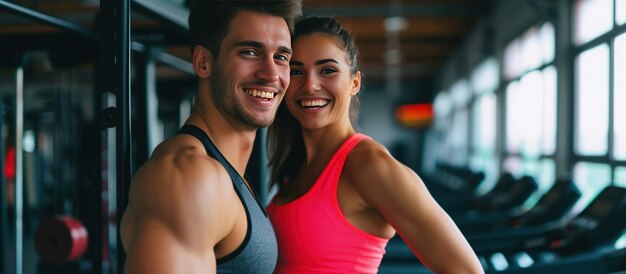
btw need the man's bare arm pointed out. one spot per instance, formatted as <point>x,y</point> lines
<point>176,216</point>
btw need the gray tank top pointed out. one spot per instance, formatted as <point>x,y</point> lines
<point>258,252</point>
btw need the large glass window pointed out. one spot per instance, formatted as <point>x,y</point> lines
<point>443,107</point>
<point>530,51</point>
<point>458,134</point>
<point>484,81</point>
<point>542,171</point>
<point>594,18</point>
<point>458,138</point>
<point>461,93</point>
<point>484,126</point>
<point>592,101</point>
<point>531,114</point>
<point>485,77</point>
<point>590,178</point>
<point>598,107</point>
<point>514,117</point>
<point>546,176</point>
<point>620,11</point>
<point>619,102</point>
<point>549,110</point>
<point>531,105</point>
<point>620,176</point>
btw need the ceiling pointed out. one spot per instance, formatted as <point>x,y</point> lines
<point>433,29</point>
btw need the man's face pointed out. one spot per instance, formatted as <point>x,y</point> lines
<point>251,72</point>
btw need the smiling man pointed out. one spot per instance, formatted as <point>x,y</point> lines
<point>190,209</point>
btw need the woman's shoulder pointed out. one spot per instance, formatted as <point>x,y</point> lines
<point>371,161</point>
<point>369,150</point>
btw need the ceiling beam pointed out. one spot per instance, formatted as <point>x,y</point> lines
<point>406,11</point>
<point>168,13</point>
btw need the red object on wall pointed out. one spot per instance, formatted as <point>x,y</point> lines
<point>9,164</point>
<point>414,115</point>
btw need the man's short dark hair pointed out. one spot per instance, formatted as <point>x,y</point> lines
<point>209,20</point>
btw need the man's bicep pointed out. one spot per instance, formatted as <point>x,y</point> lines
<point>155,248</point>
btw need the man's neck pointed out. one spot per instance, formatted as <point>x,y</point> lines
<point>234,143</point>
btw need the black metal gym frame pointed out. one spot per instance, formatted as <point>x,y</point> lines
<point>4,226</point>
<point>114,76</point>
<point>114,69</point>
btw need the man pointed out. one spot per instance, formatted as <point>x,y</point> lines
<point>190,211</point>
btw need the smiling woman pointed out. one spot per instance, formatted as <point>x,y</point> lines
<point>342,196</point>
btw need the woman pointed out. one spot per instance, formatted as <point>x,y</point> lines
<point>341,195</point>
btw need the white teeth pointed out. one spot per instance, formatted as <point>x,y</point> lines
<point>314,103</point>
<point>259,93</point>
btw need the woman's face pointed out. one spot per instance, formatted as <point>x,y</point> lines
<point>321,82</point>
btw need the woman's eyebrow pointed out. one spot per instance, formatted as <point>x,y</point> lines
<point>323,61</point>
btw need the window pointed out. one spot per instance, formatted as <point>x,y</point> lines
<point>531,106</point>
<point>546,38</point>
<point>443,108</point>
<point>514,117</point>
<point>619,100</point>
<point>620,176</point>
<point>546,176</point>
<point>592,101</point>
<point>620,8</point>
<point>530,51</point>
<point>484,125</point>
<point>593,18</point>
<point>531,113</point>
<point>442,104</point>
<point>461,93</point>
<point>590,178</point>
<point>483,157</point>
<point>485,77</point>
<point>542,171</point>
<point>457,134</point>
<point>549,110</point>
<point>458,138</point>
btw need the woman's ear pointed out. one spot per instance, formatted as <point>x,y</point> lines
<point>356,83</point>
<point>202,61</point>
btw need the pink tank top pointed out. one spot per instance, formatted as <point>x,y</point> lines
<point>313,234</point>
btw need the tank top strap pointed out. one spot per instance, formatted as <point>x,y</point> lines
<point>258,251</point>
<point>212,151</point>
<point>329,178</point>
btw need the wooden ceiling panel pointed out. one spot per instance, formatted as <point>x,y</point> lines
<point>434,29</point>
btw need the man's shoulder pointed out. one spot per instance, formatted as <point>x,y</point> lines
<point>184,157</point>
<point>181,170</point>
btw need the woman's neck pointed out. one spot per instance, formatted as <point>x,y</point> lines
<point>322,143</point>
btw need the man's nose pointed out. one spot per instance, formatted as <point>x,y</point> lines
<point>268,71</point>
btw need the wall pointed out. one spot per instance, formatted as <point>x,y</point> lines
<point>376,119</point>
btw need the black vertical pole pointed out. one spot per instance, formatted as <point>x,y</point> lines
<point>144,87</point>
<point>124,161</point>
<point>4,226</point>
<point>114,76</point>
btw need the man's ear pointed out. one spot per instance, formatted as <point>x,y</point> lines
<point>202,61</point>
<point>356,83</point>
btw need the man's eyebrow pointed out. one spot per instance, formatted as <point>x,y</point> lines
<point>259,45</point>
<point>284,49</point>
<point>248,43</point>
